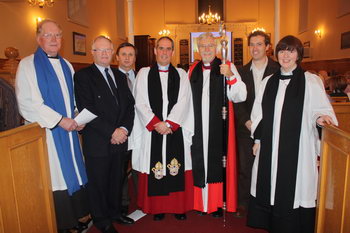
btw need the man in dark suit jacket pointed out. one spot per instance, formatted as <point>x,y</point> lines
<point>126,57</point>
<point>103,91</point>
<point>252,74</point>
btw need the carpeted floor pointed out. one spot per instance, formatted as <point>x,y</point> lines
<point>193,224</point>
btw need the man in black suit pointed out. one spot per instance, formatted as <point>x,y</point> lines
<point>252,74</point>
<point>103,91</point>
<point>126,57</point>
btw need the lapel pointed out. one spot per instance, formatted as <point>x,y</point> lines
<point>249,79</point>
<point>102,85</point>
<point>270,68</point>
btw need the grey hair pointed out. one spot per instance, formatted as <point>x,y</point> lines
<point>39,28</point>
<point>101,37</point>
<point>205,35</point>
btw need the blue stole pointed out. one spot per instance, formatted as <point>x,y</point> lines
<point>50,89</point>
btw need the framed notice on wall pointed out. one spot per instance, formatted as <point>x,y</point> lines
<point>79,44</point>
<point>345,40</point>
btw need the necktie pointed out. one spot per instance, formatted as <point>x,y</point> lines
<point>128,80</point>
<point>112,86</point>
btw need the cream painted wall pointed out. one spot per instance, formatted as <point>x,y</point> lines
<point>18,25</point>
<point>322,14</point>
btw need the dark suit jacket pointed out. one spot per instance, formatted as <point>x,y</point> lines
<point>244,109</point>
<point>93,93</point>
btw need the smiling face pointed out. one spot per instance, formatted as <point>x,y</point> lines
<point>126,58</point>
<point>50,38</point>
<point>258,48</point>
<point>287,59</point>
<point>207,49</point>
<point>102,51</point>
<point>164,52</point>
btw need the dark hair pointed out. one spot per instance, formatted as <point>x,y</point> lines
<point>291,43</point>
<point>126,44</point>
<point>338,82</point>
<point>260,33</point>
<point>166,37</point>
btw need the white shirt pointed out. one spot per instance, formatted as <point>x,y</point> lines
<point>258,75</point>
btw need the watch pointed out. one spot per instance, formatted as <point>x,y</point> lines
<point>167,124</point>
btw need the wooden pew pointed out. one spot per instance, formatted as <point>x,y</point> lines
<point>333,207</point>
<point>26,202</point>
<point>342,111</point>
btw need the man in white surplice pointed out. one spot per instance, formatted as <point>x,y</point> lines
<point>44,89</point>
<point>162,136</point>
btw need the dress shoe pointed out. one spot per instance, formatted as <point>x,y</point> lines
<point>109,229</point>
<point>241,212</point>
<point>218,213</point>
<point>82,225</point>
<point>124,220</point>
<point>180,216</point>
<point>158,217</point>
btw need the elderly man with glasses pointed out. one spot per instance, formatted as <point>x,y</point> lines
<point>206,78</point>
<point>44,89</point>
<point>103,90</point>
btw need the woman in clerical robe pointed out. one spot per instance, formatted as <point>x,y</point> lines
<point>291,106</point>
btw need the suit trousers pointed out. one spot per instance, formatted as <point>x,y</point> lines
<point>245,164</point>
<point>104,187</point>
<point>134,175</point>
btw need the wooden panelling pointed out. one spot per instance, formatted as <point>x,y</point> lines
<point>334,191</point>
<point>26,195</point>
<point>342,111</point>
<point>339,66</point>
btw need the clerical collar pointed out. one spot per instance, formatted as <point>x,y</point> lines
<point>52,57</point>
<point>206,66</point>
<point>163,68</point>
<point>289,72</point>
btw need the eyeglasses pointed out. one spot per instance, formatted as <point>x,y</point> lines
<point>50,35</point>
<point>207,46</point>
<point>103,50</point>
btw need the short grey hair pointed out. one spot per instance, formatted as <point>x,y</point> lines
<point>39,28</point>
<point>101,37</point>
<point>205,35</point>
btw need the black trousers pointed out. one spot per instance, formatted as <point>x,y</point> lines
<point>245,164</point>
<point>69,209</point>
<point>104,187</point>
<point>134,174</point>
<point>300,220</point>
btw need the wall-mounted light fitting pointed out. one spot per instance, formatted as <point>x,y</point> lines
<point>318,33</point>
<point>41,3</point>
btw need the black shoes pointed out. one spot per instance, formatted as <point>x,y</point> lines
<point>180,216</point>
<point>218,213</point>
<point>124,220</point>
<point>158,217</point>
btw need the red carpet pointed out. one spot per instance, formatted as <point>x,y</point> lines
<point>193,224</point>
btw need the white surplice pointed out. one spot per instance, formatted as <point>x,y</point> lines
<point>181,114</point>
<point>235,93</point>
<point>316,104</point>
<point>32,108</point>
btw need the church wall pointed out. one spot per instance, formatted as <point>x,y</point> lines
<point>322,14</point>
<point>18,25</point>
